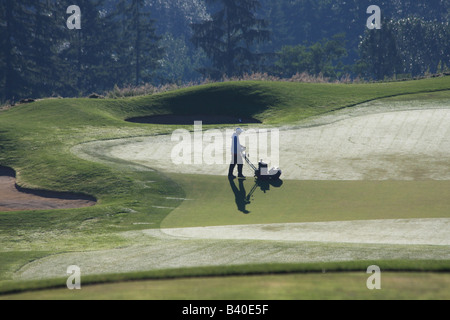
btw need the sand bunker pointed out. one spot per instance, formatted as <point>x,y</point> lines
<point>401,231</point>
<point>404,145</point>
<point>204,247</point>
<point>408,145</point>
<point>13,198</point>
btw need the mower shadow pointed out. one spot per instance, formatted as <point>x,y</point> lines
<point>242,199</point>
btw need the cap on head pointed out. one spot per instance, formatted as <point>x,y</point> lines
<point>239,131</point>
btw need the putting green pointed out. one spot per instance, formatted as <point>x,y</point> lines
<point>215,201</point>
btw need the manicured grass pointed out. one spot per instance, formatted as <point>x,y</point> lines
<point>13,260</point>
<point>213,203</point>
<point>441,95</point>
<point>328,286</point>
<point>35,140</point>
<point>276,102</point>
<point>273,282</point>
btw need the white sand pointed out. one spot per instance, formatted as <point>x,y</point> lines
<point>405,145</point>
<point>401,231</point>
<point>274,243</point>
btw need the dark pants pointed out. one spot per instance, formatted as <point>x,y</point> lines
<point>233,164</point>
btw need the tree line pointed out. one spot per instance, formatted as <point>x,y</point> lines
<point>134,42</point>
<point>40,56</point>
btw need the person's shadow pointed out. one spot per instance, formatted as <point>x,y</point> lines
<point>243,199</point>
<point>240,195</point>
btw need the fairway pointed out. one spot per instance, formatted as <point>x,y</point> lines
<point>367,183</point>
<point>312,286</point>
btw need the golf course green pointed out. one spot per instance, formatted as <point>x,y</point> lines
<point>142,225</point>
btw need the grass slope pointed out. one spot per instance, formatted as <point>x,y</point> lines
<point>274,102</point>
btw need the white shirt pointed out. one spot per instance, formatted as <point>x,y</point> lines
<point>236,147</point>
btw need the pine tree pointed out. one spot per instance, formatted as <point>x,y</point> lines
<point>380,55</point>
<point>45,65</point>
<point>89,51</point>
<point>15,31</point>
<point>228,37</point>
<point>138,51</point>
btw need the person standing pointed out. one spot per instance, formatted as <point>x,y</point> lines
<point>236,155</point>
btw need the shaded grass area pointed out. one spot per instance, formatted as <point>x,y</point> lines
<point>275,102</point>
<point>431,279</point>
<point>190,119</point>
<point>215,203</point>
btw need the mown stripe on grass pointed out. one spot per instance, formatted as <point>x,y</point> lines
<point>435,266</point>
